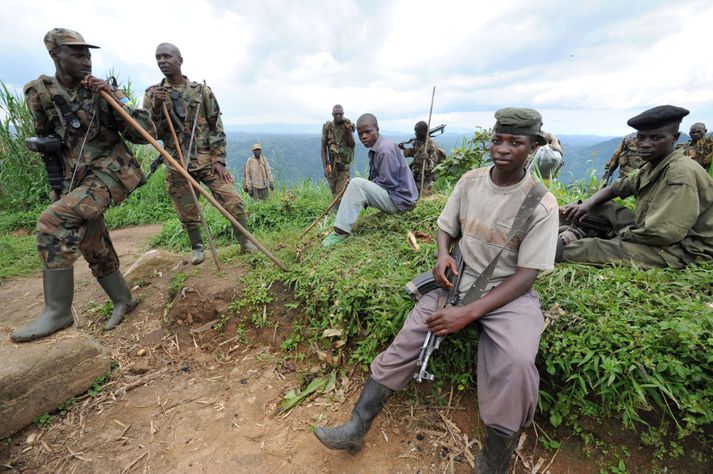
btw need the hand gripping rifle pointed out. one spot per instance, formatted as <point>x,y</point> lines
<point>445,299</point>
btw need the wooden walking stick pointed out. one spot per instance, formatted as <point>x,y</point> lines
<point>329,208</point>
<point>428,137</point>
<point>193,193</point>
<point>170,161</point>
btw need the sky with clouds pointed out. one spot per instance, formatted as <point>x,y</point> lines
<point>587,66</point>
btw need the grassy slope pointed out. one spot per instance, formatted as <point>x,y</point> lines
<point>623,341</point>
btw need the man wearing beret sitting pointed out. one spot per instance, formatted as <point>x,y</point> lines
<point>673,222</point>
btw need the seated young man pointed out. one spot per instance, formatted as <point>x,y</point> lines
<point>673,222</point>
<point>390,186</point>
<point>481,212</point>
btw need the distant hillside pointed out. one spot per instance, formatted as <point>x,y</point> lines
<point>295,157</point>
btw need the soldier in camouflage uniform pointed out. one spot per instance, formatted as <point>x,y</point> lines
<point>337,149</point>
<point>700,147</point>
<point>672,225</point>
<point>424,160</point>
<point>97,170</point>
<point>185,101</point>
<point>625,157</point>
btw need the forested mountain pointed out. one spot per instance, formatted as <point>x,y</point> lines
<point>294,157</point>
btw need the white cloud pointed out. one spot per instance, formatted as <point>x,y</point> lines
<point>587,67</point>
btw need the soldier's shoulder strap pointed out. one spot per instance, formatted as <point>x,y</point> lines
<point>41,85</point>
<point>523,216</point>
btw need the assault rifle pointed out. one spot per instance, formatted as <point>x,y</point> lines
<point>433,342</point>
<point>155,165</point>
<point>435,131</point>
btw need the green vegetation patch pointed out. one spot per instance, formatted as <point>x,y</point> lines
<point>18,256</point>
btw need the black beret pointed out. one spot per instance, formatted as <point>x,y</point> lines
<point>658,117</point>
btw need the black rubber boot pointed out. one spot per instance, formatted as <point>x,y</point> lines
<point>350,435</point>
<point>497,450</point>
<point>57,313</point>
<point>245,245</point>
<point>115,286</point>
<point>198,254</point>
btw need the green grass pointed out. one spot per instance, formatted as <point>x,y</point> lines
<point>18,256</point>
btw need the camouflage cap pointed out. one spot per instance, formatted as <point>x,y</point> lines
<point>519,121</point>
<point>658,117</point>
<point>57,37</point>
<point>256,146</point>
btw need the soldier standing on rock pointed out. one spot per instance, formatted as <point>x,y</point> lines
<point>89,167</point>
<point>337,149</point>
<point>189,102</point>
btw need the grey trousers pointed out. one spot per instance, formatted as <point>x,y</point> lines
<point>260,193</point>
<point>508,381</point>
<point>361,193</point>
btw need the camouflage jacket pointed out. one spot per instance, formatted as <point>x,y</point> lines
<point>337,144</point>
<point>182,101</point>
<point>419,154</point>
<point>701,151</point>
<point>104,153</point>
<point>626,157</point>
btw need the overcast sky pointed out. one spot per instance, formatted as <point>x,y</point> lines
<point>587,66</point>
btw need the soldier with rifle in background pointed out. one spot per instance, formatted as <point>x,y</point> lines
<point>424,158</point>
<point>195,114</point>
<point>625,157</point>
<point>337,149</point>
<point>484,202</point>
<point>89,167</point>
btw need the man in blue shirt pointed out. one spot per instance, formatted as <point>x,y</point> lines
<point>390,186</point>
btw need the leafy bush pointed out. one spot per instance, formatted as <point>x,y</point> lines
<point>22,173</point>
<point>626,340</point>
<point>473,153</point>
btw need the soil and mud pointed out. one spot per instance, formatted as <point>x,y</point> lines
<point>196,388</point>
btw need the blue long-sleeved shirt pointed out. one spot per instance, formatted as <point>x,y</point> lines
<point>388,169</point>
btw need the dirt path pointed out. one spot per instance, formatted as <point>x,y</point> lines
<point>203,401</point>
<point>185,397</point>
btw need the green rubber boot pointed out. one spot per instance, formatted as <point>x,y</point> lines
<point>245,245</point>
<point>497,451</point>
<point>57,313</point>
<point>115,286</point>
<point>350,435</point>
<point>198,254</point>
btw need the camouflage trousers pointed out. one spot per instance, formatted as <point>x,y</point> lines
<point>428,175</point>
<point>597,251</point>
<point>338,178</point>
<point>74,224</point>
<point>223,191</point>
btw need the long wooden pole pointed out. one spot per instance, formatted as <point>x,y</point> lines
<point>190,188</point>
<point>329,208</point>
<point>428,137</point>
<point>169,160</point>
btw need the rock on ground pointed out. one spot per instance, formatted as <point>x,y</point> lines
<point>38,376</point>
